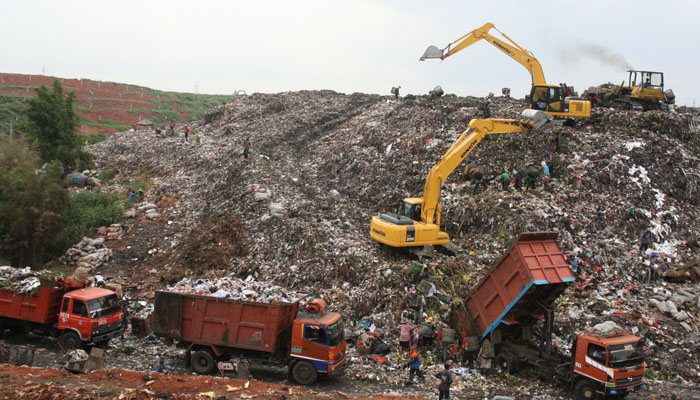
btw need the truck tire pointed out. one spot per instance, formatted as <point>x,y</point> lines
<point>304,373</point>
<point>69,341</point>
<point>585,390</point>
<point>507,362</point>
<point>202,362</point>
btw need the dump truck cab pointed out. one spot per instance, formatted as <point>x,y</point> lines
<point>89,314</point>
<point>317,346</point>
<point>610,364</point>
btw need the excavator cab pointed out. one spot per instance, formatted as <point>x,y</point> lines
<point>553,100</point>
<point>548,98</point>
<point>409,209</point>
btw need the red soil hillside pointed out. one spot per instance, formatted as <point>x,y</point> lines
<point>107,107</point>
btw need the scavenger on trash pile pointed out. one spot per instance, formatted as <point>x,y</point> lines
<point>446,378</point>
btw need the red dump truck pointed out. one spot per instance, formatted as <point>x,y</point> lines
<point>77,317</point>
<point>214,329</point>
<point>513,303</point>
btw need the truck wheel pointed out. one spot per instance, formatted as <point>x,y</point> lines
<point>202,362</point>
<point>507,362</point>
<point>304,373</point>
<point>69,341</point>
<point>584,390</point>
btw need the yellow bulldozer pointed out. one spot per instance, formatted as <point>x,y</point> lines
<point>643,90</point>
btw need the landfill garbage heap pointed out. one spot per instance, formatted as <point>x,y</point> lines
<point>321,163</point>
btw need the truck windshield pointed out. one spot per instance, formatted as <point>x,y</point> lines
<point>624,355</point>
<point>104,306</point>
<point>336,333</point>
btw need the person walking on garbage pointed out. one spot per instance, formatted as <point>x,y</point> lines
<point>645,241</point>
<point>479,181</point>
<point>446,379</point>
<point>141,195</point>
<point>414,367</point>
<point>505,180</point>
<point>486,356</point>
<point>246,147</point>
<point>518,179</point>
<point>468,354</point>
<point>426,333</point>
<point>100,280</point>
<point>467,172</point>
<point>125,319</point>
<point>187,132</point>
<point>405,330</point>
<point>532,175</point>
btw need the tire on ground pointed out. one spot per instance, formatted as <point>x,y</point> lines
<point>202,362</point>
<point>304,372</point>
<point>508,362</point>
<point>69,340</point>
<point>585,390</point>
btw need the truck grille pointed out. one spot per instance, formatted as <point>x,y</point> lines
<point>628,380</point>
<point>101,330</point>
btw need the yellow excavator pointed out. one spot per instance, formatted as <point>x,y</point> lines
<point>554,99</point>
<point>417,220</point>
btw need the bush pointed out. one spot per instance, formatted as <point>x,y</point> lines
<point>88,211</point>
<point>108,174</point>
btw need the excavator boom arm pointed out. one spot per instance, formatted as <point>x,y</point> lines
<point>478,128</point>
<point>510,48</point>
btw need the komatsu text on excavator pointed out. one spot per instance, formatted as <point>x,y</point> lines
<point>553,99</point>
<point>417,220</point>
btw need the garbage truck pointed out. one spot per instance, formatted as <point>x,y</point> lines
<point>215,330</point>
<point>77,315</point>
<point>512,307</point>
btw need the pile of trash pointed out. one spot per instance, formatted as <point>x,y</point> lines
<point>88,253</point>
<point>322,163</point>
<point>25,280</point>
<point>237,289</point>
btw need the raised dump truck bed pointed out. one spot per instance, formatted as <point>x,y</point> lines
<point>222,322</point>
<point>533,271</point>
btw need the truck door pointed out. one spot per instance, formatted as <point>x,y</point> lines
<point>315,343</point>
<point>597,360</point>
<point>79,319</point>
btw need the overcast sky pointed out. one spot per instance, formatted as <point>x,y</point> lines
<point>364,46</point>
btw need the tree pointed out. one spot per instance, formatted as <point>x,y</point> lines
<point>32,204</point>
<point>52,124</point>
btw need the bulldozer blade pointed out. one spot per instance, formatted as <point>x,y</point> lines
<point>431,52</point>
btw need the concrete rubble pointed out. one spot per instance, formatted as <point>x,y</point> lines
<point>296,214</point>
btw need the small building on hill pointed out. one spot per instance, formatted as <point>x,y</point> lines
<point>144,124</point>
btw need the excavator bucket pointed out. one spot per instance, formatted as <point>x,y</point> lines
<point>431,52</point>
<point>535,118</point>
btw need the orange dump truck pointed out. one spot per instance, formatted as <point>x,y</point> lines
<point>275,334</point>
<point>513,302</point>
<point>77,317</point>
